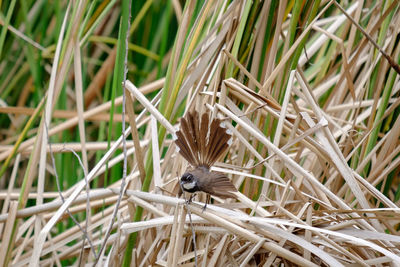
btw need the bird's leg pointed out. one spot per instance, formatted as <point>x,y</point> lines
<point>191,198</point>
<point>207,201</point>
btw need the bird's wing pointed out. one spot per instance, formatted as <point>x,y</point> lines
<point>219,185</point>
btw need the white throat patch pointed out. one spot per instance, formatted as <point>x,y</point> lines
<point>189,186</point>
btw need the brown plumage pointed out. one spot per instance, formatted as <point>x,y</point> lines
<point>202,142</point>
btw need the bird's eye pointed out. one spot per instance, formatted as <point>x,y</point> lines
<point>187,177</point>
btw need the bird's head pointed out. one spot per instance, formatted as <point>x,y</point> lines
<point>189,182</point>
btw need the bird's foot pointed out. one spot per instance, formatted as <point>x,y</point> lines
<point>204,208</point>
<point>208,199</point>
<point>191,199</point>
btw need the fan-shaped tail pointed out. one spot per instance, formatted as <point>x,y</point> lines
<point>200,142</point>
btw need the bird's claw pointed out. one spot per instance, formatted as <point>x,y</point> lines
<point>190,199</point>
<point>204,208</point>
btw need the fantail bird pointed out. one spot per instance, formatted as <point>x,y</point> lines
<point>201,143</point>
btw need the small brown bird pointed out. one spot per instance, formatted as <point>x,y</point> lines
<point>201,143</point>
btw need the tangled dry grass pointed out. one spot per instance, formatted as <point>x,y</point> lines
<point>314,116</point>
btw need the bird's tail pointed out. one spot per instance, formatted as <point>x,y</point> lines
<point>201,141</point>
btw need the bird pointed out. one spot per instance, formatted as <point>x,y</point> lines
<point>202,141</point>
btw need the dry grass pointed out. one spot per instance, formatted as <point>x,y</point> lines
<point>314,110</point>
